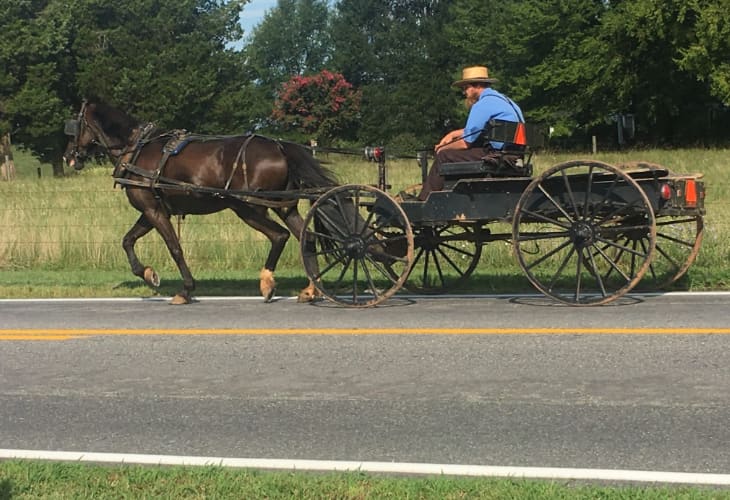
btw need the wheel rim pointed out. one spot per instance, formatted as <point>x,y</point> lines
<point>445,256</point>
<point>569,232</point>
<point>678,241</point>
<point>357,246</point>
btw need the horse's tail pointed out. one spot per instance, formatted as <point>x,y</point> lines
<point>305,171</point>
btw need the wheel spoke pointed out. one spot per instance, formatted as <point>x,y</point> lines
<point>596,274</point>
<point>569,190</point>
<point>555,203</point>
<point>545,218</point>
<point>546,256</point>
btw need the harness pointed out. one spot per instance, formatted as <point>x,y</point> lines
<point>177,141</point>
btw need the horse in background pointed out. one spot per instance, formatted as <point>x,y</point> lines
<point>167,173</point>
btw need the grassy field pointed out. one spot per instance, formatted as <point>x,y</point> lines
<point>62,237</point>
<point>22,479</point>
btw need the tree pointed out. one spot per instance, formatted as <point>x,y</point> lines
<point>167,62</point>
<point>706,53</point>
<point>35,67</point>
<point>322,106</point>
<point>292,39</point>
<point>394,51</point>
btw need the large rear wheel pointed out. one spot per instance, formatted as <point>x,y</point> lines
<point>569,232</point>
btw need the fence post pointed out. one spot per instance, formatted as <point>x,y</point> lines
<point>7,169</point>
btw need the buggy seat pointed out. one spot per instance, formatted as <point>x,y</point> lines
<point>513,160</point>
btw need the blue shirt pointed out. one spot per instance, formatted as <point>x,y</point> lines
<point>491,105</point>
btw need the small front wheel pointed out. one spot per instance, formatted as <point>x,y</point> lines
<point>357,245</point>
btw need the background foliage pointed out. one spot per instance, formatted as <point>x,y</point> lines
<point>574,65</point>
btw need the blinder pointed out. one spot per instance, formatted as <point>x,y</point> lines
<point>72,128</point>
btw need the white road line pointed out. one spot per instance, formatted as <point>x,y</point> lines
<point>213,298</point>
<point>379,467</point>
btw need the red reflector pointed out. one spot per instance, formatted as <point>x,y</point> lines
<point>690,193</point>
<point>665,192</point>
<point>520,135</point>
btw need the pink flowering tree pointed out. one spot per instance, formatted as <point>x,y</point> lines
<point>322,106</point>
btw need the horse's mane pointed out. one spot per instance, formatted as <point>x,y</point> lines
<point>114,121</point>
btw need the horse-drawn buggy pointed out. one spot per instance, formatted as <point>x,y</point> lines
<point>583,232</point>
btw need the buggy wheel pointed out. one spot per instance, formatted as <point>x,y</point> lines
<point>570,232</point>
<point>445,256</point>
<point>357,245</point>
<point>678,240</point>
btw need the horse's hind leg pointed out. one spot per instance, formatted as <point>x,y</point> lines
<point>140,228</point>
<point>278,236</point>
<point>293,220</point>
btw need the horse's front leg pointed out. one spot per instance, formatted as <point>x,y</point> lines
<point>161,222</point>
<point>140,228</point>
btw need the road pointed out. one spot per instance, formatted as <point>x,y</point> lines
<point>643,384</point>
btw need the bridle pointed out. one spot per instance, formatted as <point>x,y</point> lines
<point>72,128</point>
<point>75,129</point>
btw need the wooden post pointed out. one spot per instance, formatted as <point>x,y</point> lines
<point>595,144</point>
<point>7,169</point>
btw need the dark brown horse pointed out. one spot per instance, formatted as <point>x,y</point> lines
<point>174,172</point>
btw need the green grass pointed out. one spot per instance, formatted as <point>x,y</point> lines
<point>62,237</point>
<point>28,479</point>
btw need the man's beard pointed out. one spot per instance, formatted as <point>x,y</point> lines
<point>469,101</point>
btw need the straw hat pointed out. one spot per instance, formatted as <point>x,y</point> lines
<point>474,74</point>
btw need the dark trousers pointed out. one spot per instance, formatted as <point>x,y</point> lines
<point>434,181</point>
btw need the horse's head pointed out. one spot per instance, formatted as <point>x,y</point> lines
<point>98,129</point>
<point>83,142</point>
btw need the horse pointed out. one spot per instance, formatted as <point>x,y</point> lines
<point>165,173</point>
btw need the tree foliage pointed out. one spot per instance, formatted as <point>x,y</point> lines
<point>571,64</point>
<point>322,106</point>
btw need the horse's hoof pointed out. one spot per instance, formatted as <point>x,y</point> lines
<point>267,285</point>
<point>179,299</point>
<point>305,296</point>
<point>151,277</point>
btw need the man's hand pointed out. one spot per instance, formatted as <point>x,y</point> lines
<point>452,140</point>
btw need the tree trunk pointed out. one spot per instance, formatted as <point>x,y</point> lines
<point>7,168</point>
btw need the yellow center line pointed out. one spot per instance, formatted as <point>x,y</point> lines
<point>68,333</point>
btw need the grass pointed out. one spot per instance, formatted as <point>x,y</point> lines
<point>28,479</point>
<point>62,237</point>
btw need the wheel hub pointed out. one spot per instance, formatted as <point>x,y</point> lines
<point>355,247</point>
<point>582,234</point>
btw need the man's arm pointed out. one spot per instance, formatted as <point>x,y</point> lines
<point>452,140</point>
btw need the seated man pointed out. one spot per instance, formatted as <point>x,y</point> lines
<point>484,104</point>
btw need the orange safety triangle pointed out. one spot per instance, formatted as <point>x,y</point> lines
<point>520,135</point>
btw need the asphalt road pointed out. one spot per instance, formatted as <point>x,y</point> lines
<point>643,384</point>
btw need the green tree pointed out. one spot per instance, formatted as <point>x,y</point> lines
<point>706,53</point>
<point>292,39</point>
<point>169,62</point>
<point>395,51</point>
<point>35,68</point>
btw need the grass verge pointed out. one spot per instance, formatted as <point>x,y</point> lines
<point>30,479</point>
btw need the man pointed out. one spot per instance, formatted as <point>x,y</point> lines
<point>484,104</point>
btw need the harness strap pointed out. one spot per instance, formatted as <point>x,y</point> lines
<point>158,183</point>
<point>241,156</point>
